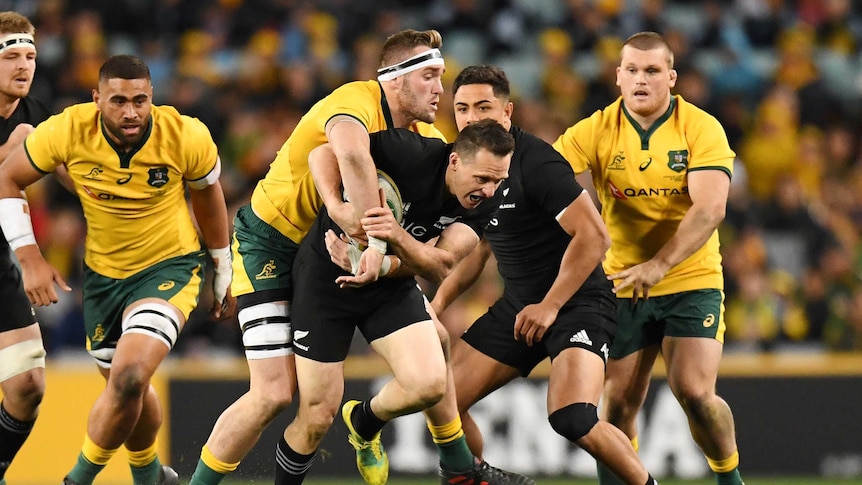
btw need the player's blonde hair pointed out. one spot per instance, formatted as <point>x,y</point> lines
<point>15,23</point>
<point>647,41</point>
<point>399,46</point>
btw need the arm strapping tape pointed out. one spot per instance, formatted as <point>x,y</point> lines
<point>15,222</point>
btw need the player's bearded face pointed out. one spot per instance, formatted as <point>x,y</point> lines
<point>125,105</point>
<point>17,66</point>
<point>420,93</point>
<point>645,80</point>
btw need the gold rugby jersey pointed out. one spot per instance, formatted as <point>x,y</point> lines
<point>641,179</point>
<point>286,197</point>
<point>134,202</point>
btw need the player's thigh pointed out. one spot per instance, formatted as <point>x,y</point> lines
<point>577,375</point>
<point>578,344</point>
<point>692,365</point>
<point>493,334</point>
<point>262,257</point>
<point>413,352</point>
<point>274,375</point>
<point>321,387</point>
<point>694,335</point>
<point>476,374</point>
<point>155,302</point>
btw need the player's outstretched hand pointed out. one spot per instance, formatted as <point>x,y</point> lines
<point>39,276</point>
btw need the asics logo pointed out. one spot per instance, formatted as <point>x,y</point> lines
<point>645,164</point>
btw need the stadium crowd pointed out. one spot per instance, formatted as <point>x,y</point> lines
<point>783,77</point>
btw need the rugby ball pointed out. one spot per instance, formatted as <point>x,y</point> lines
<point>391,194</point>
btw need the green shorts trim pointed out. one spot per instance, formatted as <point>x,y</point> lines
<point>696,313</point>
<point>262,256</point>
<point>176,280</point>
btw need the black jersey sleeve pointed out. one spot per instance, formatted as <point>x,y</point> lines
<point>548,178</point>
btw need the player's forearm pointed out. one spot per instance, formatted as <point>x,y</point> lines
<point>583,254</point>
<point>693,232</point>
<point>461,278</point>
<point>211,214</point>
<point>359,177</point>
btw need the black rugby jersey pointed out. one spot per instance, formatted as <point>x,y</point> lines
<point>29,110</point>
<point>417,165</point>
<point>525,237</point>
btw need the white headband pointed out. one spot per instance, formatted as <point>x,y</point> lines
<point>431,57</point>
<point>11,41</point>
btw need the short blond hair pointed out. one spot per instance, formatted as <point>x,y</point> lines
<point>399,46</point>
<point>15,23</point>
<point>647,41</point>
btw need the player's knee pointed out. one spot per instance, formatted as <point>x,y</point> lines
<point>25,391</point>
<point>574,421</point>
<point>696,405</point>
<point>431,387</point>
<point>273,400</point>
<point>317,418</point>
<point>129,382</point>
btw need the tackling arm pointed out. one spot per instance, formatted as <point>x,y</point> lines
<point>211,214</point>
<point>434,263</point>
<point>462,277</point>
<point>17,173</point>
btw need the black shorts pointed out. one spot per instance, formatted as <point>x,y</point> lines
<point>324,316</point>
<point>586,321</point>
<point>18,313</point>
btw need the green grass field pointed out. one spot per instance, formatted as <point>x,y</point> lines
<point>572,481</point>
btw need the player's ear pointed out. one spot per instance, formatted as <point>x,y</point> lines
<point>453,160</point>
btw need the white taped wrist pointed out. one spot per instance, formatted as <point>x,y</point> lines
<point>385,266</point>
<point>221,257</point>
<point>223,273</point>
<point>378,245</point>
<point>15,222</point>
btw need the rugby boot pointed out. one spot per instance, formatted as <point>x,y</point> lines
<point>371,458</point>
<point>484,474</point>
<point>167,476</point>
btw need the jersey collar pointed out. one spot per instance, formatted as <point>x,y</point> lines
<point>646,134</point>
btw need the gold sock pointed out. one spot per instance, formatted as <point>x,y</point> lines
<point>140,459</point>
<point>446,433</point>
<point>215,464</point>
<point>726,465</point>
<point>94,453</point>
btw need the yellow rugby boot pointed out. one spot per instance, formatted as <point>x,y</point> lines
<point>371,458</point>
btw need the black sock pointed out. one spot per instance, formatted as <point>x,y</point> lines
<point>650,480</point>
<point>365,422</point>
<point>290,466</point>
<point>13,433</point>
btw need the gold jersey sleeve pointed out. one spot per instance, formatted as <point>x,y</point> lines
<point>286,197</point>
<point>642,181</point>
<point>134,202</point>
